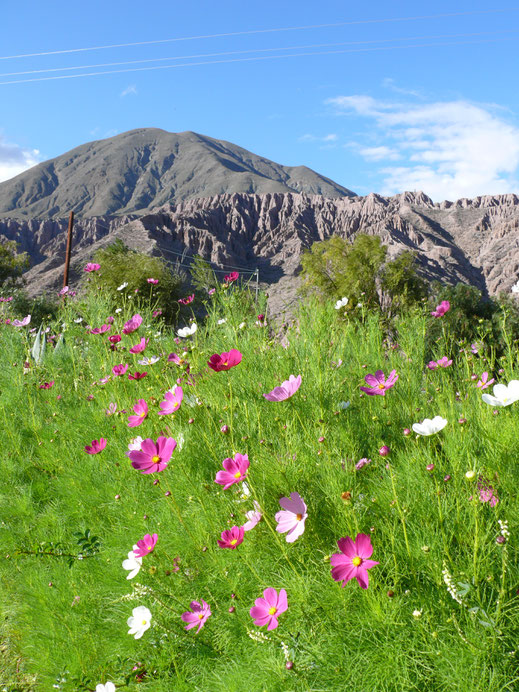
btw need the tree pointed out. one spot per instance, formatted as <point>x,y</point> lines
<point>400,280</point>
<point>203,277</point>
<point>12,263</point>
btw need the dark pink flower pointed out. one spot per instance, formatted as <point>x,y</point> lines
<point>352,561</point>
<point>384,451</point>
<point>267,609</point>
<point>230,278</point>
<point>172,401</point>
<point>145,545</point>
<point>199,615</point>
<point>235,471</point>
<point>137,375</point>
<point>441,309</point>
<point>141,411</point>
<point>484,382</point>
<point>153,281</point>
<point>225,361</point>
<point>139,348</point>
<point>114,339</point>
<point>120,369</point>
<point>186,301</point>
<point>100,330</point>
<point>92,267</point>
<point>173,358</point>
<point>133,324</point>
<point>378,383</point>
<point>153,456</point>
<point>232,538</point>
<point>96,446</point>
<point>285,390</point>
<point>47,385</point>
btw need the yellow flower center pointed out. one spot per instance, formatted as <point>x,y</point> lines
<point>234,541</point>
<point>200,616</point>
<point>273,611</point>
<point>381,386</point>
<point>356,561</point>
<point>176,404</point>
<point>225,363</point>
<point>155,459</point>
<point>142,414</point>
<point>299,517</point>
<point>237,475</point>
<point>143,622</point>
<point>148,547</point>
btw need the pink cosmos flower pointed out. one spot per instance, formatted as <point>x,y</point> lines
<point>145,545</point>
<point>361,463</point>
<point>432,365</point>
<point>441,309</point>
<point>96,446</point>
<point>173,358</point>
<point>199,615</point>
<point>232,538</point>
<point>292,517</point>
<point>235,471</point>
<point>378,383</point>
<point>112,409</point>
<point>486,492</point>
<point>153,456</point>
<point>114,339</point>
<point>137,375</point>
<point>139,348</point>
<point>22,323</point>
<point>47,385</point>
<point>92,267</point>
<point>153,281</point>
<point>63,291</point>
<point>285,390</point>
<point>225,361</point>
<point>120,369</point>
<point>100,330</point>
<point>186,301</point>
<point>267,609</point>
<point>211,291</point>
<point>132,324</point>
<point>230,278</point>
<point>172,401</point>
<point>253,517</point>
<point>484,382</point>
<point>352,561</point>
<point>141,411</point>
<point>444,362</point>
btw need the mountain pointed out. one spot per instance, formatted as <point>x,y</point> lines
<point>475,241</point>
<point>136,171</point>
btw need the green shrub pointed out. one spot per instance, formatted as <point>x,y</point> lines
<point>12,263</point>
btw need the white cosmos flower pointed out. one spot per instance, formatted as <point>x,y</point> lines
<point>79,320</point>
<point>187,331</point>
<point>222,321</point>
<point>109,687</point>
<point>148,361</point>
<point>341,303</point>
<point>118,310</point>
<point>139,621</point>
<point>122,286</point>
<point>133,563</point>
<point>429,426</point>
<point>504,395</point>
<point>241,326</point>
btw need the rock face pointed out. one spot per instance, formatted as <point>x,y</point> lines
<point>474,241</point>
<point>136,171</point>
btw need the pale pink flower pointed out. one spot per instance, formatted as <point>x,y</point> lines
<point>292,517</point>
<point>484,382</point>
<point>22,323</point>
<point>267,609</point>
<point>285,390</point>
<point>253,517</point>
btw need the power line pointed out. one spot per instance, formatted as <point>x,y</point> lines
<point>253,59</point>
<point>258,50</point>
<point>262,31</point>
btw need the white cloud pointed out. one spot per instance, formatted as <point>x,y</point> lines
<point>328,140</point>
<point>15,160</point>
<point>131,89</point>
<point>453,149</point>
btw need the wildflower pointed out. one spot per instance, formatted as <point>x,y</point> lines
<point>174,358</point>
<point>287,389</point>
<point>451,585</point>
<point>199,615</point>
<point>63,291</point>
<point>235,471</point>
<point>188,300</point>
<point>139,622</point>
<point>100,330</point>
<point>378,383</point>
<point>417,614</point>
<point>139,348</point>
<point>92,267</point>
<point>122,286</point>
<point>384,451</point>
<point>441,309</point>
<point>211,291</point>
<point>504,395</point>
<point>484,382</point>
<point>292,517</point>
<point>135,445</point>
<point>172,401</point>
<point>137,375</point>
<point>109,687</point>
<point>341,303</point>
<point>444,362</point>
<point>153,281</point>
<point>470,475</point>
<point>267,609</point>
<point>187,331</point>
<point>230,278</point>
<point>352,561</point>
<point>133,563</point>
<point>232,538</point>
<point>241,325</point>
<point>96,446</point>
<point>22,323</point>
<point>141,411</point>
<point>429,426</point>
<point>133,324</point>
<point>225,361</point>
<point>114,338</point>
<point>119,370</point>
<point>253,517</point>
<point>486,492</point>
<point>112,408</point>
<point>47,385</point>
<point>148,361</point>
<point>146,545</point>
<point>225,429</point>
<point>361,463</point>
<point>343,405</point>
<point>222,321</point>
<point>153,456</point>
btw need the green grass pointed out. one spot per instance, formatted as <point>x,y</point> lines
<point>64,619</point>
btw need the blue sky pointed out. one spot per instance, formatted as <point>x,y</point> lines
<point>376,101</point>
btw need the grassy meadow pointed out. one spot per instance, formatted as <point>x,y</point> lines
<point>441,611</point>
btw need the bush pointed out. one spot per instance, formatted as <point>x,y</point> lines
<point>12,263</point>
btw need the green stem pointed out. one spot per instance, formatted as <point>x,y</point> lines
<point>401,514</point>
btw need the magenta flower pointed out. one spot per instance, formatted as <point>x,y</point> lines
<point>199,615</point>
<point>484,382</point>
<point>232,538</point>
<point>120,369</point>
<point>153,281</point>
<point>186,301</point>
<point>47,385</point>
<point>441,309</point>
<point>486,492</point>
<point>267,609</point>
<point>444,362</point>
<point>225,361</point>
<point>153,456</point>
<point>235,471</point>
<point>432,365</point>
<point>378,383</point>
<point>292,517</point>
<point>352,561</point>
<point>132,324</point>
<point>92,267</point>
<point>172,401</point>
<point>141,411</point>
<point>96,446</point>
<point>285,390</point>
<point>230,278</point>
<point>145,545</point>
<point>114,339</point>
<point>100,330</point>
<point>173,358</point>
<point>137,375</point>
<point>139,348</point>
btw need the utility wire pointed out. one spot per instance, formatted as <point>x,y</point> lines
<point>258,50</point>
<point>263,31</point>
<point>253,59</point>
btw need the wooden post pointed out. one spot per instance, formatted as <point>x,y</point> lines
<point>69,248</point>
